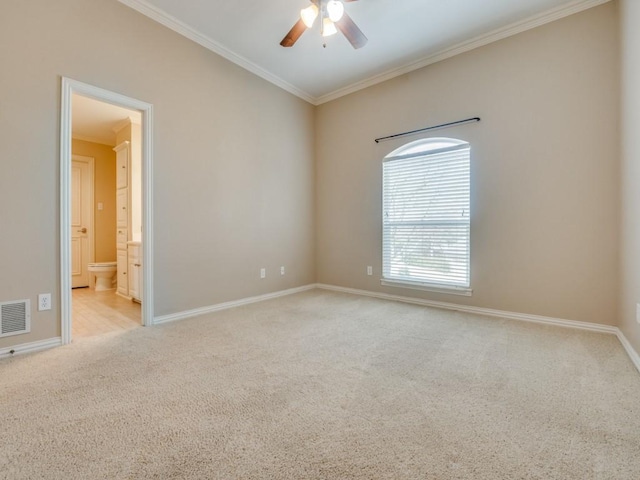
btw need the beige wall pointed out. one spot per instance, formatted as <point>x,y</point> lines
<point>105,193</point>
<point>248,176</point>
<point>545,168</point>
<point>630,285</point>
<point>233,157</point>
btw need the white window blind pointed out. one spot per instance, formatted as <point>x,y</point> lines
<point>426,187</point>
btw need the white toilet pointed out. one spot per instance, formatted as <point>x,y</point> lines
<point>105,273</point>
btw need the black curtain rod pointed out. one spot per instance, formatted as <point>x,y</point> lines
<point>444,125</point>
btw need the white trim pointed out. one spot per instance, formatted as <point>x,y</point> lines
<point>69,88</point>
<point>232,304</point>
<point>633,355</point>
<point>425,287</point>
<point>525,317</point>
<point>169,21</point>
<point>479,41</point>
<point>147,293</point>
<point>126,297</point>
<point>125,122</point>
<point>121,145</point>
<point>85,138</point>
<point>30,347</point>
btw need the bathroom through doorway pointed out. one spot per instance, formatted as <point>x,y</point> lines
<point>106,212</point>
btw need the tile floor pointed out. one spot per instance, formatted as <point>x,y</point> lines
<point>96,313</point>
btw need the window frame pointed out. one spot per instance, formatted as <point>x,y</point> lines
<point>410,151</point>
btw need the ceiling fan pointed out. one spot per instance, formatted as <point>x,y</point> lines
<point>332,15</point>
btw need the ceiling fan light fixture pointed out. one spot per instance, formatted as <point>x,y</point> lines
<point>328,27</point>
<point>333,17</point>
<point>309,15</point>
<point>335,9</point>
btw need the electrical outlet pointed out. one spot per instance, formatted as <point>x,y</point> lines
<point>44,301</point>
<point>369,270</point>
<point>281,270</point>
<point>263,272</point>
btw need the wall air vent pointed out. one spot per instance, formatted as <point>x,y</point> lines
<point>15,317</point>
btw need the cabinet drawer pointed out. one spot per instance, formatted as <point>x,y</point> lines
<point>121,238</point>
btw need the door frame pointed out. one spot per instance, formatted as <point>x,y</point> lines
<point>69,88</point>
<point>90,162</point>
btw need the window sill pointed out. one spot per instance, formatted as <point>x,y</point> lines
<point>450,290</point>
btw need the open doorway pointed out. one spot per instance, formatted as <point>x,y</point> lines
<point>106,242</point>
<point>106,217</point>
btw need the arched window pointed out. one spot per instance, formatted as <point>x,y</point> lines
<point>426,227</point>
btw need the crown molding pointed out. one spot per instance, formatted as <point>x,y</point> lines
<point>125,122</point>
<point>162,17</point>
<point>86,138</point>
<point>479,41</point>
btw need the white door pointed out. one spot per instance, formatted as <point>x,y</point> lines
<point>81,220</point>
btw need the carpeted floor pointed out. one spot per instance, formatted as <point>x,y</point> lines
<point>323,385</point>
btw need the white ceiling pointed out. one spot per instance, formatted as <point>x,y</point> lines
<point>95,121</point>
<point>403,35</point>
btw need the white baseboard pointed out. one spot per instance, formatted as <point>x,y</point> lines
<point>593,327</point>
<point>524,317</point>
<point>172,317</point>
<point>633,355</point>
<point>30,347</point>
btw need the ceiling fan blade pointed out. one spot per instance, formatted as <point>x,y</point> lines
<point>294,34</point>
<point>350,30</point>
